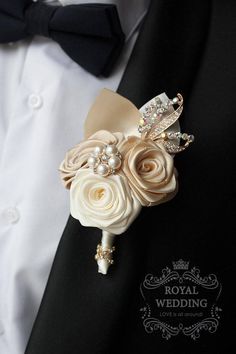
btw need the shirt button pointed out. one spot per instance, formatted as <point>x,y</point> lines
<point>11,215</point>
<point>35,101</point>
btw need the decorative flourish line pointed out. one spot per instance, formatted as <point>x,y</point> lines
<point>208,324</point>
<point>152,324</point>
<point>207,282</point>
<point>218,295</point>
<point>151,282</point>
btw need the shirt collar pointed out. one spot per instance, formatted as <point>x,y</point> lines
<point>131,12</point>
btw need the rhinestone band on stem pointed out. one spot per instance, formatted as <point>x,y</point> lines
<point>104,253</point>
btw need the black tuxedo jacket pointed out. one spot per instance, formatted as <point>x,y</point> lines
<point>187,47</point>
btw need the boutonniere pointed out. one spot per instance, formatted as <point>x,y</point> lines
<point>125,162</point>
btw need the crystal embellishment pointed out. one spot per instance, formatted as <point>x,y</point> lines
<point>157,117</point>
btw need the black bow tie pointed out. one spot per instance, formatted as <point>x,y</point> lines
<point>90,34</point>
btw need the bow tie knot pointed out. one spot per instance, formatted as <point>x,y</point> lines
<point>37,18</point>
<point>90,34</point>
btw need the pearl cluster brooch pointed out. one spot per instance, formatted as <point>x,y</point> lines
<point>105,160</point>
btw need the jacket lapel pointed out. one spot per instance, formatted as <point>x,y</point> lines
<point>168,51</point>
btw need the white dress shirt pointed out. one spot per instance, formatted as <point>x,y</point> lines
<point>44,100</point>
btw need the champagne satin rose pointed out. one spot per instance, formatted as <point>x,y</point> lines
<point>77,157</point>
<point>106,203</point>
<point>149,170</point>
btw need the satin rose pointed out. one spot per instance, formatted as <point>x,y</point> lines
<point>149,169</point>
<point>77,157</point>
<point>106,203</point>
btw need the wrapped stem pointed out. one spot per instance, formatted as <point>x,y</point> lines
<point>104,252</point>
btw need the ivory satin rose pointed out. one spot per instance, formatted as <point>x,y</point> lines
<point>77,157</point>
<point>149,169</point>
<point>106,203</point>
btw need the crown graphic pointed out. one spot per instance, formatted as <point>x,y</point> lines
<point>180,265</point>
